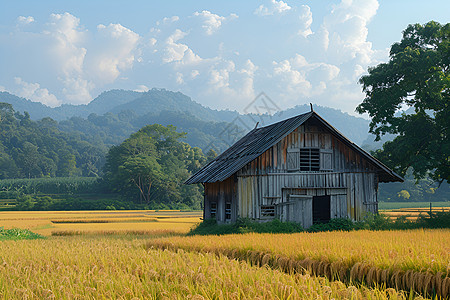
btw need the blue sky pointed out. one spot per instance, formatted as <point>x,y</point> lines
<point>220,53</point>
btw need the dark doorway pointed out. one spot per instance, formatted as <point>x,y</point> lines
<point>321,209</point>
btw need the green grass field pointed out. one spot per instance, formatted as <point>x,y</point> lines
<point>397,205</point>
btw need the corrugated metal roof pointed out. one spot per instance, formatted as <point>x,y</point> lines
<point>257,141</point>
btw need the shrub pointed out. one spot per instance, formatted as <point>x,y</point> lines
<point>434,220</point>
<point>18,234</point>
<point>342,224</point>
<point>370,222</point>
<point>245,225</point>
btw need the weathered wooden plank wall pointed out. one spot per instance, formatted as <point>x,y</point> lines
<point>274,160</point>
<point>221,192</point>
<point>346,176</point>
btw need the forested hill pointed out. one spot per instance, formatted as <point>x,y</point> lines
<point>122,112</point>
<point>30,149</point>
<point>115,101</point>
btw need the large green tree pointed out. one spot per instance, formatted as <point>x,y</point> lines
<point>415,81</point>
<point>152,165</point>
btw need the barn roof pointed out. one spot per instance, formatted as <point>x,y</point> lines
<point>258,140</point>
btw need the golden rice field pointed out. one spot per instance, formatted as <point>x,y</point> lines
<point>95,222</point>
<point>146,255</point>
<point>84,267</point>
<point>412,213</point>
<point>410,259</point>
<point>419,250</point>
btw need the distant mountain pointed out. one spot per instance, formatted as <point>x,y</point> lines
<point>115,101</point>
<point>141,108</point>
<point>36,110</point>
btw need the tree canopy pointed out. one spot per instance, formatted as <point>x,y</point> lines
<point>33,149</point>
<point>409,97</point>
<point>151,167</point>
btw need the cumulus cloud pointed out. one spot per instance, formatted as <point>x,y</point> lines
<point>275,7</point>
<point>25,20</point>
<point>298,78</point>
<point>77,90</point>
<point>174,51</point>
<point>76,60</point>
<point>305,17</point>
<point>290,54</point>
<point>178,52</point>
<point>347,30</point>
<point>114,53</point>
<point>66,41</point>
<point>291,80</point>
<point>212,22</point>
<point>67,50</point>
<point>34,92</point>
<point>172,19</point>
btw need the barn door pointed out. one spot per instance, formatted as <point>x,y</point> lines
<point>321,209</point>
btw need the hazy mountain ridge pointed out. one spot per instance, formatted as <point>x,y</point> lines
<point>152,103</point>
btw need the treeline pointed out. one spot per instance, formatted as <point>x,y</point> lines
<point>146,171</point>
<point>33,149</point>
<point>423,190</point>
<point>60,185</point>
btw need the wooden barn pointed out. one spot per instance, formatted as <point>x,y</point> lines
<point>301,169</point>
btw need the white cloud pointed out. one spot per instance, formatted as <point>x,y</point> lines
<point>67,39</point>
<point>305,16</point>
<point>347,30</point>
<point>152,42</point>
<point>77,90</point>
<point>232,86</point>
<point>296,77</point>
<point>174,51</point>
<point>290,79</point>
<point>115,52</point>
<point>67,52</point>
<point>76,61</point>
<point>212,22</point>
<point>142,88</point>
<point>172,19</point>
<point>281,55</point>
<point>275,7</point>
<point>34,92</point>
<point>178,52</point>
<point>25,20</point>
<point>179,78</point>
<point>194,73</point>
